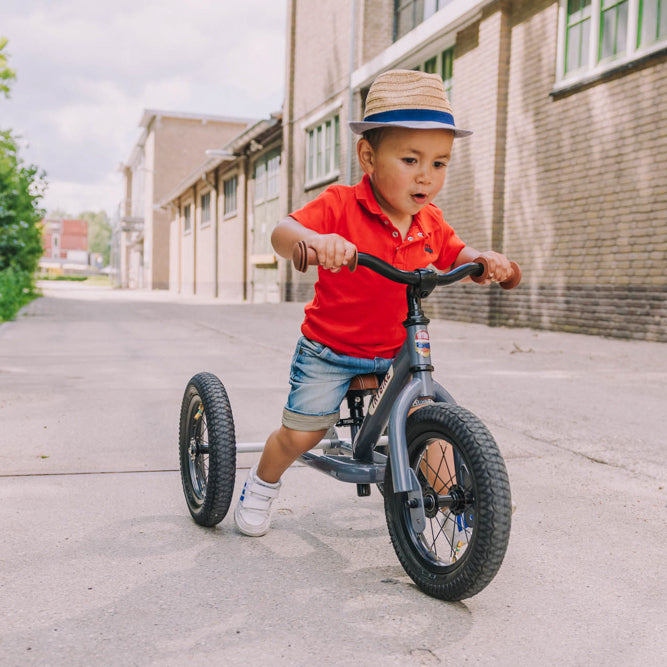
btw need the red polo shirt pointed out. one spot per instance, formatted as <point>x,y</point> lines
<point>360,314</point>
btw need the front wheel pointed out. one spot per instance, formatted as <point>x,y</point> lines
<point>467,503</point>
<point>207,449</point>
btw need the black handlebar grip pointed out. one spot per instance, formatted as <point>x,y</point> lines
<point>510,283</point>
<point>303,257</point>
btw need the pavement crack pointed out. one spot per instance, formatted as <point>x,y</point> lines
<point>593,459</point>
<point>87,472</point>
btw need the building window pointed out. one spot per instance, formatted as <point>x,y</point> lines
<point>187,218</point>
<point>442,65</point>
<point>578,34</point>
<point>206,209</point>
<point>613,28</point>
<point>408,14</point>
<point>652,22</point>
<point>597,35</point>
<point>230,186</point>
<point>322,151</point>
<point>447,71</point>
<point>431,65</point>
<point>267,177</point>
<point>273,176</point>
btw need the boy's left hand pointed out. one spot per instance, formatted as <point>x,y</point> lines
<point>500,269</point>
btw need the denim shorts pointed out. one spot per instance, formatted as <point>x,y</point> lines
<point>319,380</point>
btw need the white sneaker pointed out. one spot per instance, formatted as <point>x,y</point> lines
<point>253,512</point>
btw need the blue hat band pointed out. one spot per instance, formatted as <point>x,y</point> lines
<point>399,115</point>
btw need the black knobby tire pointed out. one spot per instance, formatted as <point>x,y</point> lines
<point>207,449</point>
<point>463,544</point>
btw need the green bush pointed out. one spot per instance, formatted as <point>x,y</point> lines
<point>21,188</point>
<point>16,289</point>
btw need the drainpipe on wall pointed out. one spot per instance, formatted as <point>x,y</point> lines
<point>288,141</point>
<point>498,202</point>
<point>350,103</point>
<point>194,239</point>
<point>214,188</point>
<point>246,163</point>
<point>289,125</point>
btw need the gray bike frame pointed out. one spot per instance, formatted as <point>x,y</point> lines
<point>409,378</point>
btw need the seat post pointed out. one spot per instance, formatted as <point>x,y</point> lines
<point>355,404</point>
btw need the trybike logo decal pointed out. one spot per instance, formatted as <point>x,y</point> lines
<point>423,343</point>
<point>385,383</point>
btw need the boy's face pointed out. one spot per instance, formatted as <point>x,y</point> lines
<point>407,169</point>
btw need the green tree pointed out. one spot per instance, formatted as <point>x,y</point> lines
<point>21,188</point>
<point>99,232</point>
<point>7,75</point>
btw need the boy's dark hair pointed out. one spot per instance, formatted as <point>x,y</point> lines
<point>374,136</point>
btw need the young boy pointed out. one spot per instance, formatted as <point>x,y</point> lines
<point>353,325</point>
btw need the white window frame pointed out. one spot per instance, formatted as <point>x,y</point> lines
<point>428,8</point>
<point>439,57</point>
<point>205,221</point>
<point>187,218</point>
<point>230,205</point>
<point>402,53</point>
<point>267,176</point>
<point>322,149</point>
<point>595,67</point>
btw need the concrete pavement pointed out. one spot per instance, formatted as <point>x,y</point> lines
<point>102,563</point>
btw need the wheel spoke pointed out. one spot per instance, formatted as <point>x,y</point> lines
<point>447,536</point>
<point>199,453</point>
<point>458,467</point>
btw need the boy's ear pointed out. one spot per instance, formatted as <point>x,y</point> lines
<point>366,156</point>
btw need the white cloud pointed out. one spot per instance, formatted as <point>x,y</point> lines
<point>75,197</point>
<point>85,76</point>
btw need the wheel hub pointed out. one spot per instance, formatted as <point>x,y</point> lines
<point>459,501</point>
<point>454,500</point>
<point>430,502</point>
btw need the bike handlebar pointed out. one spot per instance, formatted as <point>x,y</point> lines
<point>478,270</point>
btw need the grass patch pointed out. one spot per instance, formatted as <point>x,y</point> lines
<point>17,288</point>
<point>99,280</point>
<point>96,280</point>
<point>78,279</point>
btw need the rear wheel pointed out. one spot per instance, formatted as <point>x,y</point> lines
<point>467,503</point>
<point>207,449</point>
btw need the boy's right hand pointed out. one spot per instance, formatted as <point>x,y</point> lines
<point>333,251</point>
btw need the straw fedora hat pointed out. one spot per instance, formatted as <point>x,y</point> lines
<point>408,98</point>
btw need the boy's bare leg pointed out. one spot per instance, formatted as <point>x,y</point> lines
<point>283,447</point>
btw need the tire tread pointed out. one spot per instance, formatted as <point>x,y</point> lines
<point>222,449</point>
<point>492,510</point>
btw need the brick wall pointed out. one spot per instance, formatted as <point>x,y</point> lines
<point>375,29</point>
<point>571,185</point>
<point>586,194</point>
<point>320,78</point>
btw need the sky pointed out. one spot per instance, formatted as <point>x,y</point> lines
<point>86,70</point>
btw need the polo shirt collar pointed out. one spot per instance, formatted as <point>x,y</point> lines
<point>364,194</point>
